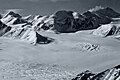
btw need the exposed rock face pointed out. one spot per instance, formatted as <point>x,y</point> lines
<point>64,21</point>
<point>109,74</point>
<point>108,12</point>
<point>104,15</point>
<point>97,19</point>
<point>68,21</point>
<point>0,16</point>
<point>4,28</point>
<point>100,17</point>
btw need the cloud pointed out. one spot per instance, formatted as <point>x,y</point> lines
<point>58,0</point>
<point>31,0</point>
<point>45,0</point>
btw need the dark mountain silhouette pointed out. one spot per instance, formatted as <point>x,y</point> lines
<point>65,22</point>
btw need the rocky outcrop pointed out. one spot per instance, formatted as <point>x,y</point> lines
<point>109,74</point>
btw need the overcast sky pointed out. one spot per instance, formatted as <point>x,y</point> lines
<point>44,7</point>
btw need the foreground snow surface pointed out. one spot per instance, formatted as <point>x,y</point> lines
<point>67,56</point>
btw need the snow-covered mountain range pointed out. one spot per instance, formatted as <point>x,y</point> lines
<point>102,22</point>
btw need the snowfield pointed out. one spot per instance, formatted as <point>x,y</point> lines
<point>63,59</point>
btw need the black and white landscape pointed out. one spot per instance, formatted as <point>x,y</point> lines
<point>64,45</point>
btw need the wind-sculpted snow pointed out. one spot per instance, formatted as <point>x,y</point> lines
<point>109,74</point>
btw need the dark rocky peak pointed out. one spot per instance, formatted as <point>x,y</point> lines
<point>100,16</point>
<point>1,16</point>
<point>117,67</point>
<point>13,14</point>
<point>109,12</point>
<point>63,14</point>
<point>89,14</point>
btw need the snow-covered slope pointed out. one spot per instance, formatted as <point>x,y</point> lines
<point>43,22</point>
<point>112,29</point>
<point>21,28</point>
